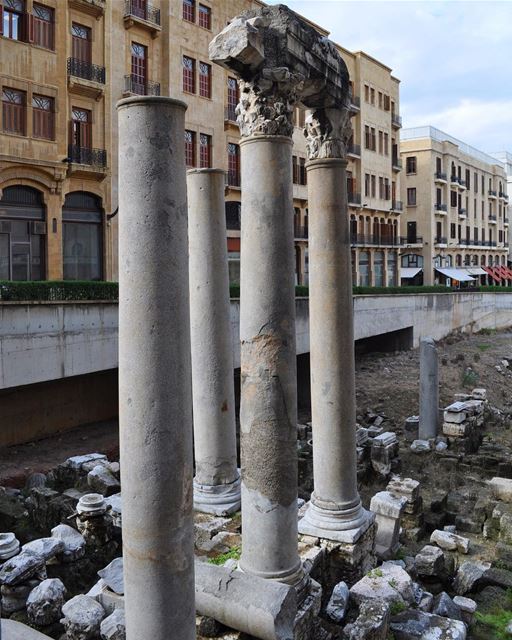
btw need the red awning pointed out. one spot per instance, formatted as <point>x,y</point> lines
<point>509,271</point>
<point>504,272</point>
<point>490,271</point>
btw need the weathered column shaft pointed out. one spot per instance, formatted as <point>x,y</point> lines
<point>429,390</point>
<point>217,482</point>
<point>268,418</point>
<point>155,403</point>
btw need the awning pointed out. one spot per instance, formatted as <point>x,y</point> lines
<point>504,272</point>
<point>491,272</point>
<point>456,274</point>
<point>476,271</point>
<point>409,272</point>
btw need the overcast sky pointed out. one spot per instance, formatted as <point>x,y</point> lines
<point>454,59</point>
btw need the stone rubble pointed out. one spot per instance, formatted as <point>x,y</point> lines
<point>45,602</point>
<point>82,616</point>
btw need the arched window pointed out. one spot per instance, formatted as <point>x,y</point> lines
<point>458,260</point>
<point>22,233</point>
<point>378,268</point>
<point>364,268</point>
<point>482,260</point>
<point>490,261</point>
<point>82,237</point>
<point>449,261</point>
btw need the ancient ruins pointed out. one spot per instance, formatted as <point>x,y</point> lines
<point>328,529</point>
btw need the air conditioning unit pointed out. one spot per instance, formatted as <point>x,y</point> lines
<point>38,228</point>
<point>5,226</point>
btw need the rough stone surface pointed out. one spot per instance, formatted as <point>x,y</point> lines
<point>112,575</point>
<point>389,582</point>
<point>467,575</point>
<point>429,561</point>
<point>444,606</point>
<point>47,548</point>
<point>338,602</point>
<point>82,618</point>
<point>450,541</point>
<point>372,622</point>
<point>44,603</point>
<point>13,630</point>
<point>103,481</point>
<point>113,627</point>
<point>425,626</point>
<point>22,567</point>
<point>73,541</point>
<point>420,446</point>
<point>501,489</point>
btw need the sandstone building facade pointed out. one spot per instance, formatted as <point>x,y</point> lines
<point>65,64</point>
<point>456,209</point>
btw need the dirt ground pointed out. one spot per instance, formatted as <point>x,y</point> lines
<point>386,384</point>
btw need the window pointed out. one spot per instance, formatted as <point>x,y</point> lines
<point>233,165</point>
<point>13,111</point>
<point>364,269</point>
<point>232,99</point>
<point>381,187</point>
<point>373,139</point>
<point>372,95</point>
<point>190,148</point>
<point>439,165</point>
<point>189,10</point>
<point>380,100</point>
<point>367,184</point>
<point>81,47</point>
<point>12,23</point>
<point>205,151</point>
<point>82,245</point>
<point>299,170</point>
<point>366,93</point>
<point>411,196</point>
<point>189,73</point>
<point>453,230</point>
<point>475,181</point>
<point>373,182</point>
<point>43,26</point>
<point>378,268</point>
<point>410,164</point>
<point>205,17</point>
<point>453,199</point>
<point>391,269</point>
<point>386,103</point>
<point>139,69</point>
<point>367,139</point>
<point>43,123</point>
<point>205,80</point>
<point>468,179</point>
<point>386,144</point>
<point>381,142</point>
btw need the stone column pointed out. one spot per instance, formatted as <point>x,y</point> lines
<point>335,510</point>
<point>268,413</point>
<point>155,400</point>
<point>217,481</point>
<point>429,390</point>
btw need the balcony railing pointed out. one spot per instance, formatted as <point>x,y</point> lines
<point>396,163</point>
<point>440,175</point>
<point>503,195</point>
<point>454,179</point>
<point>464,241</point>
<point>354,150</point>
<point>354,198</point>
<point>505,220</point>
<point>300,232</point>
<point>133,84</point>
<point>441,240</point>
<point>412,240</point>
<point>397,205</point>
<point>492,193</point>
<point>462,212</point>
<point>84,155</point>
<point>86,70</point>
<point>493,243</point>
<point>354,102</point>
<point>492,217</point>
<point>233,178</point>
<point>441,207</point>
<point>230,114</point>
<point>363,240</point>
<point>144,11</point>
<point>396,121</point>
<point>462,183</point>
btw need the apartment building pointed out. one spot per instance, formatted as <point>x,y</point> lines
<point>456,211</point>
<point>64,66</point>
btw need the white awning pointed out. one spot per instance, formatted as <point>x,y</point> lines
<point>456,274</point>
<point>409,272</point>
<point>476,271</point>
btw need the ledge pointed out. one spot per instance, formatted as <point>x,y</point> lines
<point>132,20</point>
<point>87,88</point>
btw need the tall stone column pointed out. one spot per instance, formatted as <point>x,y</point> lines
<point>217,481</point>
<point>155,400</point>
<point>429,390</point>
<point>335,510</point>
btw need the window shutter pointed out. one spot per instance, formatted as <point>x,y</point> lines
<point>29,27</point>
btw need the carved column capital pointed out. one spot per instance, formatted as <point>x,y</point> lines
<point>267,102</point>
<point>328,133</point>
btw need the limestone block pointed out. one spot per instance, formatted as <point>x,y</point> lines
<point>388,509</point>
<point>114,506</point>
<point>205,530</point>
<point>372,622</point>
<point>479,394</point>
<point>501,489</point>
<point>467,576</point>
<point>114,626</point>
<point>47,548</point>
<point>385,439</point>
<point>82,618</point>
<point>21,568</point>
<point>338,602</point>
<point>45,602</point>
<point>76,462</point>
<point>74,542</point>
<point>418,625</point>
<point>386,504</point>
<point>14,598</point>
<point>112,575</point>
<point>450,541</point>
<point>9,546</point>
<point>430,561</point>
<point>420,446</point>
<point>102,480</point>
<point>388,582</point>
<point>467,608</point>
<point>444,606</point>
<point>13,630</point>
<point>454,430</point>
<point>406,487</point>
<point>411,427</point>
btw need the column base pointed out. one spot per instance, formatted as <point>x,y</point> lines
<point>220,499</point>
<point>345,526</point>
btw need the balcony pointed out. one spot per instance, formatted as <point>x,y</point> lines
<point>503,196</point>
<point>454,181</point>
<point>462,184</point>
<point>85,79</point>
<point>233,178</point>
<point>441,209</point>
<point>230,114</point>
<point>492,194</point>
<point>411,241</point>
<point>85,162</point>
<point>133,86</point>
<point>505,221</point>
<point>492,243</point>
<point>354,104</point>
<point>363,240</point>
<point>94,8</point>
<point>143,15</point>
<point>354,199</point>
<point>397,205</point>
<point>396,121</point>
<point>354,150</point>
<point>441,241</point>
<point>462,213</point>
<point>396,164</point>
<point>440,176</point>
<point>300,232</point>
<point>492,219</point>
<point>464,242</point>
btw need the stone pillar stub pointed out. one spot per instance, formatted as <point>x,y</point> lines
<point>217,481</point>
<point>335,511</point>
<point>155,399</point>
<point>429,390</point>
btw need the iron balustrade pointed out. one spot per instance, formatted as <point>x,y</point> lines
<point>354,150</point>
<point>462,212</point>
<point>441,240</point>
<point>492,217</point>
<point>454,179</point>
<point>396,120</point>
<point>411,240</point>
<point>440,175</point>
<point>132,84</point>
<point>86,70</point>
<point>505,220</point>
<point>85,155</point>
<point>355,101</point>
<point>397,205</point>
<point>462,182</point>
<point>144,11</point>
<point>354,198</point>
<point>492,193</point>
<point>301,232</point>
<point>365,240</point>
<point>396,163</point>
<point>441,207</point>
<point>230,114</point>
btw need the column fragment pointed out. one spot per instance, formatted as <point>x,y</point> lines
<point>429,390</point>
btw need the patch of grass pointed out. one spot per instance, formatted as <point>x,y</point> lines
<point>375,573</point>
<point>483,347</point>
<point>495,624</point>
<point>400,554</point>
<point>397,607</point>
<point>469,378</point>
<point>393,583</point>
<point>486,332</point>
<point>233,554</point>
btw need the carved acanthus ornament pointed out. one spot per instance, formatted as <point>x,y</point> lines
<point>328,133</point>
